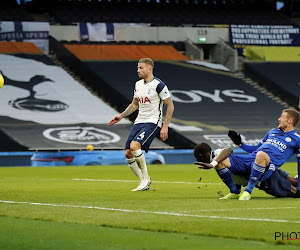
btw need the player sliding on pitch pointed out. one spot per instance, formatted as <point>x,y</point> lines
<point>149,96</point>
<point>271,153</point>
<point>280,184</point>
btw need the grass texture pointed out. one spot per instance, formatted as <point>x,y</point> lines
<point>92,207</point>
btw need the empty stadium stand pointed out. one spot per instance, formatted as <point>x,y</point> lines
<point>207,103</point>
<point>125,52</point>
<point>167,12</point>
<point>179,45</point>
<point>280,78</point>
<point>103,89</point>
<point>11,11</point>
<point>44,108</point>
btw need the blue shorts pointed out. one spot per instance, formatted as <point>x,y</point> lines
<point>273,182</point>
<point>143,133</point>
<point>277,185</point>
<point>241,165</point>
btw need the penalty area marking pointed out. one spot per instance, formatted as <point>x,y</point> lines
<point>166,182</point>
<point>150,212</point>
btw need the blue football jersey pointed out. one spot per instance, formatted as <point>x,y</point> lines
<point>280,146</point>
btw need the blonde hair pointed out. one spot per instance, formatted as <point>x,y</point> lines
<point>294,114</point>
<point>147,61</point>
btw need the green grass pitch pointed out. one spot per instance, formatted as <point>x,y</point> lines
<point>92,207</point>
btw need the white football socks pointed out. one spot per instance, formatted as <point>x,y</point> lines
<point>141,161</point>
<point>135,167</point>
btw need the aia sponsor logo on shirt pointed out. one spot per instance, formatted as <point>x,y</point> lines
<point>144,100</point>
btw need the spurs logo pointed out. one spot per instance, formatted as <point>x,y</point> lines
<point>81,135</point>
<point>31,102</point>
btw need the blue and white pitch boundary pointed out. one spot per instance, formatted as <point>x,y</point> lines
<point>151,212</point>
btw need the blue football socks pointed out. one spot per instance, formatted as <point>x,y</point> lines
<point>225,175</point>
<point>256,173</point>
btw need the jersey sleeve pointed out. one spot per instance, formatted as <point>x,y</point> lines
<point>134,92</point>
<point>162,91</point>
<point>217,152</point>
<point>250,148</point>
<point>266,137</point>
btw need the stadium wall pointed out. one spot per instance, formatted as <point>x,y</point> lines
<point>272,53</point>
<point>131,33</point>
<point>25,159</point>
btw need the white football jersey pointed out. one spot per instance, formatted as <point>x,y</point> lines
<point>150,97</point>
<point>216,152</point>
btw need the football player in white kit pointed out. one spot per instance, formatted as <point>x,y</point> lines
<point>149,96</point>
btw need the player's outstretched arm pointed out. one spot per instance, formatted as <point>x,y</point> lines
<point>224,153</point>
<point>114,120</point>
<point>133,106</point>
<point>235,137</point>
<point>170,109</point>
<point>203,165</point>
<point>237,140</point>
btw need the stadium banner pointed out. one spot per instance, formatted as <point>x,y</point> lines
<point>263,35</point>
<point>34,32</point>
<point>42,93</point>
<point>96,32</point>
<point>70,137</point>
<point>44,108</point>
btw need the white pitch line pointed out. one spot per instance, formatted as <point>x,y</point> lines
<point>233,209</point>
<point>151,212</point>
<point>166,182</point>
<point>202,210</point>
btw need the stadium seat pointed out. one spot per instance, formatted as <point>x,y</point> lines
<point>167,13</point>
<point>180,46</point>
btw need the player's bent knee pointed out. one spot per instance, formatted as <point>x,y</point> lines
<point>262,157</point>
<point>128,154</point>
<point>134,146</point>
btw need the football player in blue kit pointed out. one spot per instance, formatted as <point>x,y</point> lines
<point>150,94</point>
<point>271,153</point>
<point>279,184</point>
